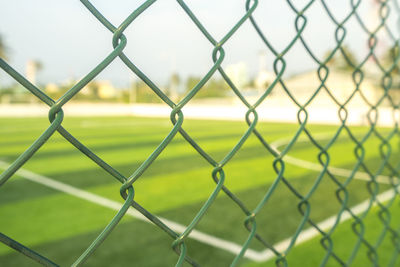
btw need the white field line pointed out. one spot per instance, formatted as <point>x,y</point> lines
<point>221,110</point>
<point>234,248</point>
<point>317,167</point>
<point>327,224</point>
<point>114,205</point>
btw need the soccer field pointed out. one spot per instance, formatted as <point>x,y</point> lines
<point>60,221</point>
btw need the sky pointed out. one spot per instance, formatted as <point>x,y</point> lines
<point>69,41</point>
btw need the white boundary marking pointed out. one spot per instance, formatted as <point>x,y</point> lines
<point>114,205</point>
<point>317,167</point>
<point>326,224</point>
<point>213,241</point>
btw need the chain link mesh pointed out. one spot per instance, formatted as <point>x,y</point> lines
<point>119,42</point>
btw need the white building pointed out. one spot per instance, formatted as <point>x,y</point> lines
<point>238,74</point>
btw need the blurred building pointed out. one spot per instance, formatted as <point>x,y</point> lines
<point>238,74</point>
<point>106,90</point>
<point>32,67</point>
<point>31,71</point>
<point>264,77</point>
<point>340,85</point>
<point>103,89</point>
<point>52,88</point>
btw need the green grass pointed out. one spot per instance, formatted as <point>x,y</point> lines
<point>175,186</point>
<point>344,240</point>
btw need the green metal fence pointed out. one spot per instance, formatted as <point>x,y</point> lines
<point>387,73</point>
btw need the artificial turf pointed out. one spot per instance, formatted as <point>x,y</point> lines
<point>174,187</point>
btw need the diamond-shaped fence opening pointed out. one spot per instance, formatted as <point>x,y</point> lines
<point>303,167</point>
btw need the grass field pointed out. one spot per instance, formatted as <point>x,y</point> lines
<point>61,226</point>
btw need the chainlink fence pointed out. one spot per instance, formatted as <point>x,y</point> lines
<point>387,73</point>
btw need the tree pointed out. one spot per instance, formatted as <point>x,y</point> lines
<point>391,62</point>
<point>344,59</point>
<point>213,88</point>
<point>191,82</point>
<point>389,59</point>
<point>38,65</point>
<point>144,94</point>
<point>3,49</point>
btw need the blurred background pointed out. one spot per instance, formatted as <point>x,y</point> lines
<point>54,44</point>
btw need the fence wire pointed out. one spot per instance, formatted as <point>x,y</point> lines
<point>387,74</point>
